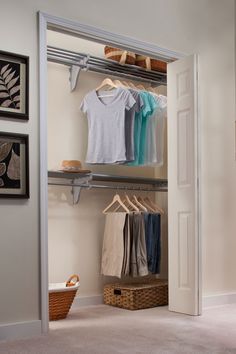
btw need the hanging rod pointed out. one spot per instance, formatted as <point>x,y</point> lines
<point>85,62</point>
<point>78,181</point>
<point>115,187</point>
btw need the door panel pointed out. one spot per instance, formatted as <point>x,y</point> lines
<point>183,225</point>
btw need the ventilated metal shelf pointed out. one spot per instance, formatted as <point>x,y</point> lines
<point>88,180</point>
<point>82,61</point>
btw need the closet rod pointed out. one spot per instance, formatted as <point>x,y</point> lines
<point>104,66</point>
<point>65,54</point>
<point>100,186</point>
<point>112,73</point>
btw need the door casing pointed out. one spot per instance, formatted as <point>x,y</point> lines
<point>47,21</point>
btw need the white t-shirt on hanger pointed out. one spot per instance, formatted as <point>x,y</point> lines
<point>106,124</point>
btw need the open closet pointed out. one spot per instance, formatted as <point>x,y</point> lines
<point>79,201</point>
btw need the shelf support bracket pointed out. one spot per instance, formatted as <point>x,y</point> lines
<point>76,192</point>
<point>75,72</point>
<point>77,185</point>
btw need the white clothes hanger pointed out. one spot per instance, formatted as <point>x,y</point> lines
<point>154,205</point>
<point>138,204</point>
<point>116,199</point>
<point>106,82</point>
<point>148,206</point>
<point>128,203</point>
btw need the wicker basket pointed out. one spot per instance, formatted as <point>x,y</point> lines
<point>120,55</point>
<point>61,296</point>
<point>151,64</point>
<point>137,296</point>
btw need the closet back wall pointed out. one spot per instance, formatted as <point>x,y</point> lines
<point>76,232</point>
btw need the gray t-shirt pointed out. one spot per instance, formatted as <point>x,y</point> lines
<point>106,124</point>
<point>129,125</point>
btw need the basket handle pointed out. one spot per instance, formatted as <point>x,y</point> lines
<point>123,57</point>
<point>72,283</point>
<point>148,63</point>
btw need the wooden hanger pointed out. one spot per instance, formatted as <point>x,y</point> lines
<point>127,202</point>
<point>106,82</point>
<point>119,83</point>
<point>141,87</point>
<point>154,205</point>
<point>116,199</point>
<point>148,206</point>
<point>151,89</point>
<point>131,203</point>
<point>140,205</point>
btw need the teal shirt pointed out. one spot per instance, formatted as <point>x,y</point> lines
<point>137,131</point>
<point>150,106</point>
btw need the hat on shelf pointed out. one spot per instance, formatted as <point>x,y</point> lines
<point>73,166</point>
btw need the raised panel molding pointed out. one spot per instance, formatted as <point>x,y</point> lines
<point>183,148</point>
<point>184,220</point>
<point>183,84</point>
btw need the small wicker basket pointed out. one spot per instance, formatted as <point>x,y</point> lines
<point>61,296</point>
<point>137,296</point>
<point>120,55</point>
<point>151,64</point>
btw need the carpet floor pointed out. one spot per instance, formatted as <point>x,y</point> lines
<point>108,330</point>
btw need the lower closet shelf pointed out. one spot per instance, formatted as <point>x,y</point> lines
<point>137,296</point>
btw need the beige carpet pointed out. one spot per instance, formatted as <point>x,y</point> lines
<point>107,330</point>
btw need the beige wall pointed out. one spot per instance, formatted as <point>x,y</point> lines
<point>205,27</point>
<point>76,231</point>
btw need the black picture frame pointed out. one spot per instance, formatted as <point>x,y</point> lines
<point>14,86</point>
<point>14,165</point>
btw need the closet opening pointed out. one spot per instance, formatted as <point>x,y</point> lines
<point>91,189</point>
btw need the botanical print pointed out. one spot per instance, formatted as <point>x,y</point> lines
<point>9,165</point>
<point>9,85</point>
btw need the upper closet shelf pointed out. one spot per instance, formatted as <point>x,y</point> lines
<point>86,62</point>
<point>78,181</point>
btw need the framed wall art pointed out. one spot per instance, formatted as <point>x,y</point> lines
<point>14,86</point>
<point>14,165</point>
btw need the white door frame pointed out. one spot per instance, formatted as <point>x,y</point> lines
<point>47,21</point>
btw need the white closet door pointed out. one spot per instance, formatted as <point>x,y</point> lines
<point>184,284</point>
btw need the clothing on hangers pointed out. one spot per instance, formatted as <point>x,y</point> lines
<point>113,244</point>
<point>131,244</point>
<point>126,126</point>
<point>130,117</point>
<point>155,133</point>
<point>106,123</point>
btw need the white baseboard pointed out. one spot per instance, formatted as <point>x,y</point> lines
<point>20,330</point>
<point>207,301</point>
<point>80,301</point>
<point>218,300</point>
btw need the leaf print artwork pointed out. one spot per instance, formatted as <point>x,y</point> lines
<point>10,165</point>
<point>5,148</point>
<point>2,168</point>
<point>4,69</point>
<point>9,85</point>
<point>13,171</point>
<point>6,103</point>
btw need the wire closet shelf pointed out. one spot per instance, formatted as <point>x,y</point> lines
<point>82,61</point>
<point>78,181</point>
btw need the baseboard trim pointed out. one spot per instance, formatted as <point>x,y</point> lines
<point>218,300</point>
<point>81,301</point>
<point>207,301</point>
<point>20,330</point>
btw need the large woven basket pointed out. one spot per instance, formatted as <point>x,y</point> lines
<point>120,55</point>
<point>151,64</point>
<point>61,296</point>
<point>137,296</point>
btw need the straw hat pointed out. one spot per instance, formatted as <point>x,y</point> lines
<point>73,166</point>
